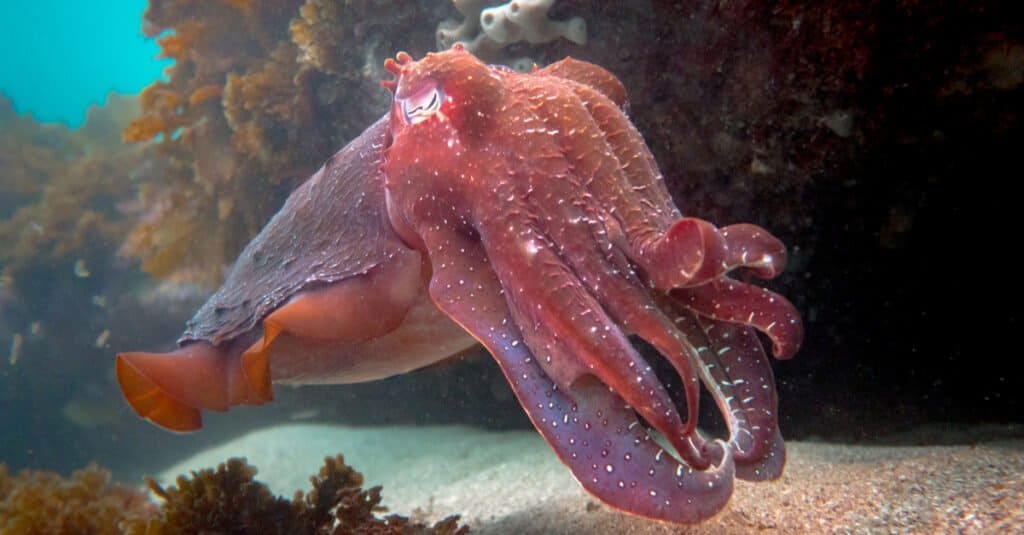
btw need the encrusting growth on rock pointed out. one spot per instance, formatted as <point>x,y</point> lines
<point>486,30</point>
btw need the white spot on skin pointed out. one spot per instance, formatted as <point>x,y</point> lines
<point>531,248</point>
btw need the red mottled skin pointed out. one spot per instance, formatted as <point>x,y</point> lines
<point>523,212</point>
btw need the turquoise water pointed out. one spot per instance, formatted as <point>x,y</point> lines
<point>60,56</point>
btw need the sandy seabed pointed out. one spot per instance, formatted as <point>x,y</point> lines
<point>511,483</point>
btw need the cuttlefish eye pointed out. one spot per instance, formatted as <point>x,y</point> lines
<point>421,106</point>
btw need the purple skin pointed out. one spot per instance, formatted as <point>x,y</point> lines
<point>523,212</point>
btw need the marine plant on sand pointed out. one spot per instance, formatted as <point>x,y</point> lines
<point>40,502</point>
<point>229,500</point>
<point>225,500</point>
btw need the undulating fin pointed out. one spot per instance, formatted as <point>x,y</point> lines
<point>170,389</point>
<point>333,227</point>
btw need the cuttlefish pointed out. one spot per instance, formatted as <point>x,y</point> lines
<point>523,212</point>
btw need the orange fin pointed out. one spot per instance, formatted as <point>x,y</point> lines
<point>152,402</point>
<point>170,389</point>
<point>256,361</point>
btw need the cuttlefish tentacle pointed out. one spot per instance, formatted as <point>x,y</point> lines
<point>752,249</point>
<point>575,247</point>
<point>674,251</point>
<point>735,371</point>
<point>624,297</point>
<point>644,184</point>
<point>598,258</point>
<point>613,164</point>
<point>588,426</point>
<point>595,161</point>
<point>767,467</point>
<point>588,75</point>
<point>726,299</point>
<point>568,329</point>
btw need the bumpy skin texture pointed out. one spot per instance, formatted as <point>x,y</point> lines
<point>546,232</point>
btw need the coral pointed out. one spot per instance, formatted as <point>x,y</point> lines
<point>487,31</point>
<point>230,500</point>
<point>36,502</point>
<point>259,94</point>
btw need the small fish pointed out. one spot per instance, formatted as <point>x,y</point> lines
<point>81,270</point>
<point>90,413</point>
<point>101,340</point>
<point>15,352</point>
<point>304,415</point>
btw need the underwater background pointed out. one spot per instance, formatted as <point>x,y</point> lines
<point>62,57</point>
<point>878,140</point>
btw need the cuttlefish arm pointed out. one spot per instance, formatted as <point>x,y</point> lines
<point>592,430</point>
<point>326,274</point>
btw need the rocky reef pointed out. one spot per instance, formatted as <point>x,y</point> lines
<point>62,189</point>
<point>67,200</point>
<point>487,31</point>
<point>247,114</point>
<point>746,111</point>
